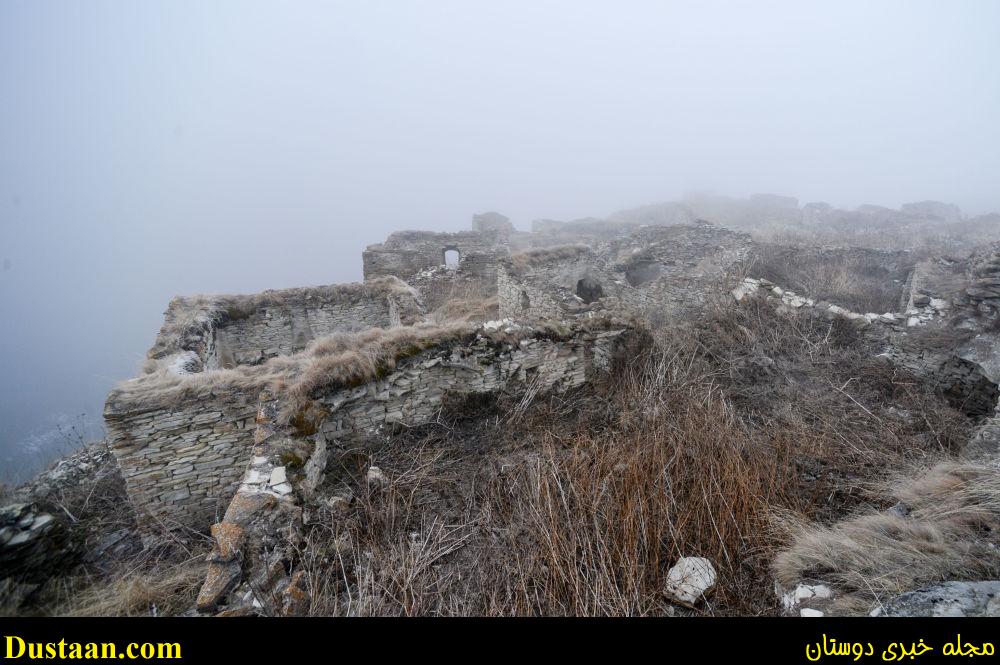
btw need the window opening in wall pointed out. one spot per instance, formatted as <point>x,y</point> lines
<point>451,258</point>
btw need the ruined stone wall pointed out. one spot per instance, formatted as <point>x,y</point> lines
<point>247,567</point>
<point>406,253</point>
<point>184,441</point>
<point>285,329</point>
<point>963,374</point>
<point>473,279</point>
<point>650,272</point>
<point>413,393</point>
<point>209,332</point>
<point>546,285</point>
<point>180,461</point>
<point>418,256</point>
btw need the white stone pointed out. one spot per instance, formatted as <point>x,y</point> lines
<point>745,288</point>
<point>805,592</point>
<point>493,326</point>
<point>913,321</point>
<point>690,579</point>
<point>808,612</point>
<point>939,304</point>
<point>181,363</point>
<point>278,476</point>
<point>41,521</point>
<point>282,489</point>
<point>793,300</point>
<point>375,476</point>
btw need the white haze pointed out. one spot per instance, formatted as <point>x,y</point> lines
<point>149,149</point>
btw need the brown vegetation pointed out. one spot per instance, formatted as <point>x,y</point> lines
<point>946,529</point>
<point>579,504</point>
<point>859,282</point>
<point>110,572</point>
<point>524,261</point>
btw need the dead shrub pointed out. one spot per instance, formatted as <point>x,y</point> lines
<point>579,504</point>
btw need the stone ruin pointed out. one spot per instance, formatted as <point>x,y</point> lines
<point>442,265</point>
<point>243,398</point>
<point>650,272</point>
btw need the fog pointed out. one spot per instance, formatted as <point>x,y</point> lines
<point>159,148</point>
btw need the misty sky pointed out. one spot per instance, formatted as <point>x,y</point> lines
<point>149,149</point>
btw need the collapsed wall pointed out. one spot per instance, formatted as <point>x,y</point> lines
<point>435,262</point>
<point>419,368</point>
<point>211,332</point>
<point>184,440</point>
<point>181,433</point>
<point>650,272</point>
<point>916,339</point>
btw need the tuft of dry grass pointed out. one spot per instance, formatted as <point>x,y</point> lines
<point>524,261</point>
<point>154,588</point>
<point>947,530</point>
<point>338,359</point>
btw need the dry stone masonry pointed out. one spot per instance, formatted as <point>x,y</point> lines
<point>211,332</point>
<point>244,398</point>
<point>418,256</point>
<point>651,272</point>
<point>252,541</point>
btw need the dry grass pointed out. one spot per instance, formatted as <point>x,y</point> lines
<point>949,533</point>
<point>466,302</point>
<point>578,505</point>
<point>338,360</point>
<point>477,309</point>
<point>590,525</point>
<point>524,261</point>
<point>148,588</point>
<point>858,282</point>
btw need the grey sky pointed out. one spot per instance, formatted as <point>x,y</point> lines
<point>155,148</point>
